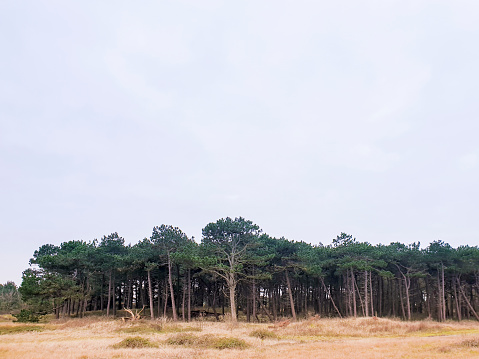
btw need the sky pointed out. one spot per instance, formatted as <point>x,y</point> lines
<point>309,118</point>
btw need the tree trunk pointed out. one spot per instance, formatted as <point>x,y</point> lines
<point>232,289</point>
<point>109,297</point>
<point>371,292</point>
<point>353,293</point>
<point>401,298</point>
<point>215,291</point>
<point>264,309</point>
<point>166,300</point>
<point>254,297</point>
<point>85,299</point>
<point>458,307</point>
<point>170,281</point>
<point>366,304</point>
<point>113,294</point>
<point>326,289</point>
<point>443,296</point>
<point>467,300</point>
<point>183,301</point>
<point>189,295</point>
<point>150,295</point>
<point>290,293</point>
<point>359,296</point>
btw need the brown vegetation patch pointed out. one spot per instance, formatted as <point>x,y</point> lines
<point>135,343</point>
<point>367,327</point>
<point>19,328</point>
<point>263,334</point>
<point>207,341</point>
<point>147,327</point>
<point>7,318</point>
<point>470,343</point>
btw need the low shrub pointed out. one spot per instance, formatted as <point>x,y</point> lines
<point>185,339</point>
<point>470,343</point>
<point>134,343</point>
<point>229,343</point>
<point>263,334</point>
<point>27,316</point>
<point>145,328</point>
<point>206,341</point>
<point>6,318</point>
<point>14,329</point>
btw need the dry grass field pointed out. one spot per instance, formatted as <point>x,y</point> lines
<point>314,338</point>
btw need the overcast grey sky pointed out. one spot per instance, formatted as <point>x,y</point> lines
<point>309,118</point>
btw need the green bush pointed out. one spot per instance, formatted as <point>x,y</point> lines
<point>14,329</point>
<point>229,343</point>
<point>135,342</point>
<point>206,341</point>
<point>27,316</point>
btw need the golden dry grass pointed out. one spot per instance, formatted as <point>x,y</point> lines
<point>6,318</point>
<point>90,338</point>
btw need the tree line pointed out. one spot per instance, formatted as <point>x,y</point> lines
<point>9,298</point>
<point>239,271</point>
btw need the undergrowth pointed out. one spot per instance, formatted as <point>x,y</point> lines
<point>14,329</point>
<point>146,328</point>
<point>470,343</point>
<point>207,341</point>
<point>6,318</point>
<point>134,343</point>
<point>263,334</point>
<point>365,327</point>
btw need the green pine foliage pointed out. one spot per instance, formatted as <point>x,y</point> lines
<point>237,271</point>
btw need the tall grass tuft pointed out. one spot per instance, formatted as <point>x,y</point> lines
<point>263,334</point>
<point>134,343</point>
<point>14,329</point>
<point>206,341</point>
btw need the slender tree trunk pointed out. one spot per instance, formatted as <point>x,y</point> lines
<point>347,281</point>
<point>458,307</point>
<point>109,297</point>
<point>353,293</point>
<point>366,304</point>
<point>401,298</point>
<point>101,292</point>
<point>467,300</point>
<point>150,295</point>
<point>264,309</point>
<point>87,292</point>
<point>183,301</point>
<point>254,297</point>
<point>232,289</point>
<point>371,292</point>
<point>359,296</point>
<point>159,298</point>
<point>274,305</point>
<point>113,294</point>
<point>189,295</point>
<point>290,293</point>
<point>330,297</point>
<point>440,297</point>
<point>215,292</point>
<point>166,300</point>
<point>407,285</point>
<point>170,281</point>
<point>443,296</point>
